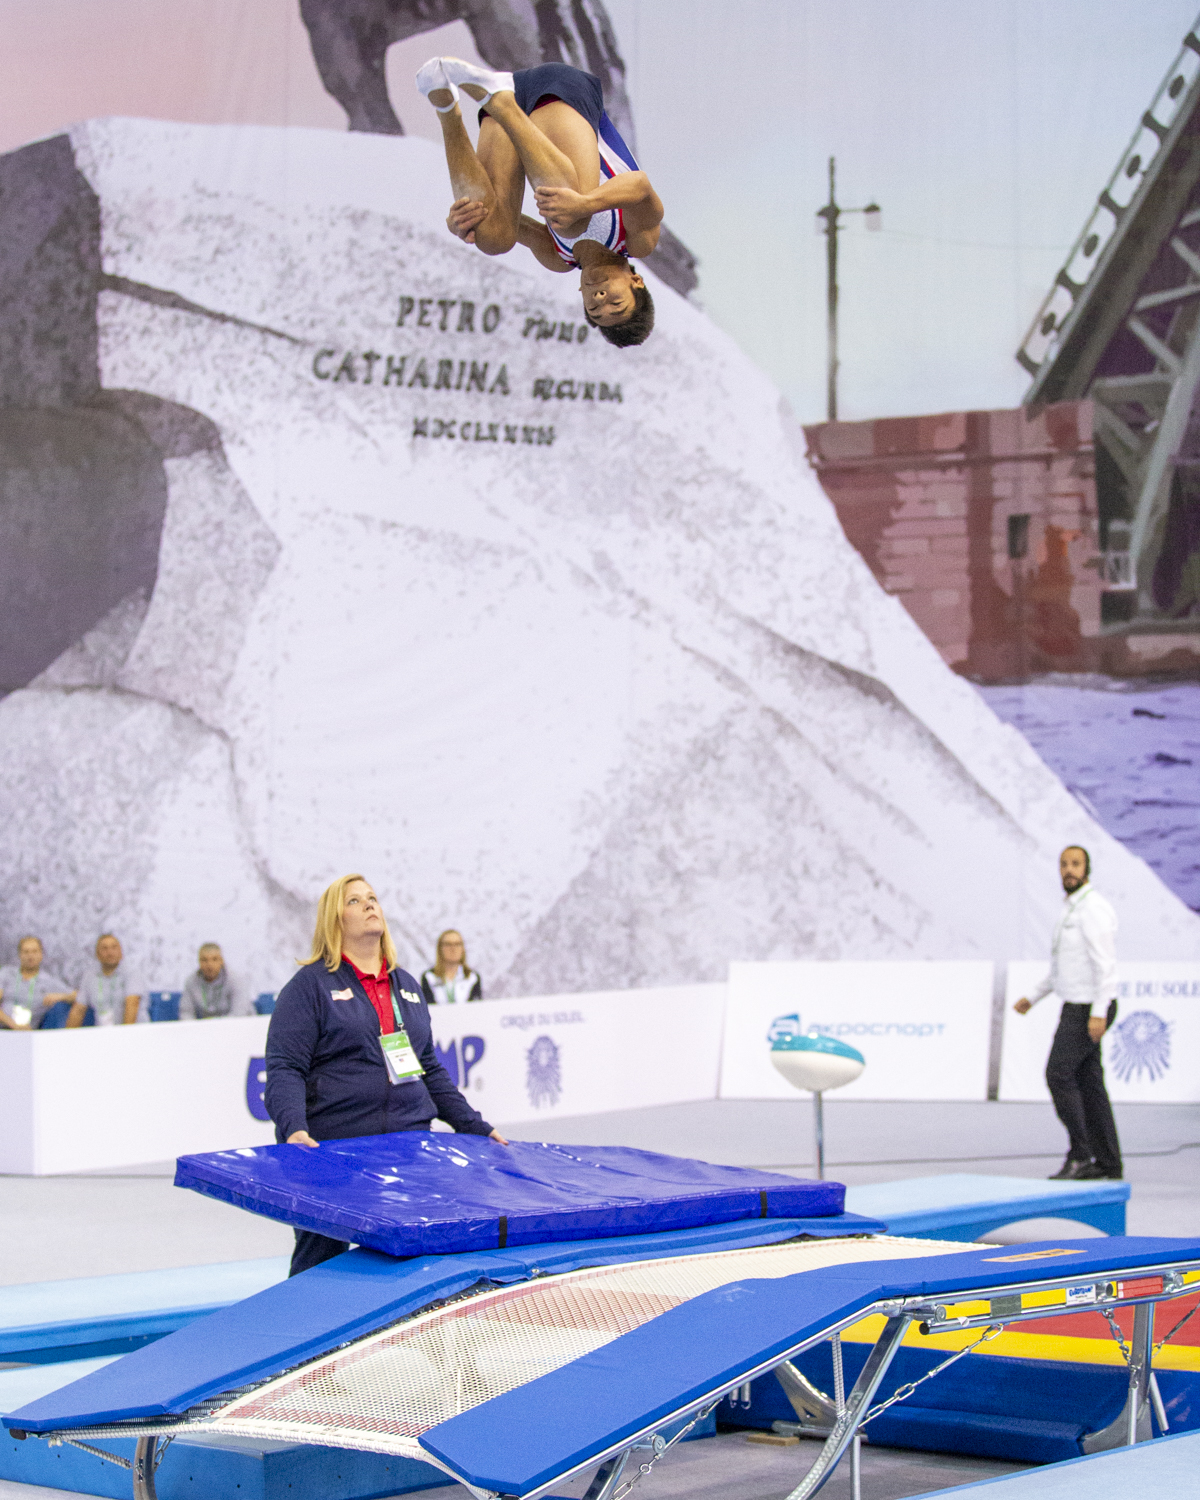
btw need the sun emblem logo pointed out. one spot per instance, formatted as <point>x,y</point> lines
<point>1142,1042</point>
<point>543,1075</point>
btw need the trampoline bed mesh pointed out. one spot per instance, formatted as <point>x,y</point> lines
<point>385,1391</point>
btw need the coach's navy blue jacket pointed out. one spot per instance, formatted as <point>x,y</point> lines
<point>325,1068</point>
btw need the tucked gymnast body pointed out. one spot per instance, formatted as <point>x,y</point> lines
<point>548,124</point>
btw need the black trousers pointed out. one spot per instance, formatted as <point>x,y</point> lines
<point>1075,1076</point>
<point>311,1249</point>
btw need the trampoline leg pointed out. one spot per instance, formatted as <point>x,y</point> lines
<point>811,1405</point>
<point>1133,1424</point>
<point>143,1469</point>
<point>1139,1371</point>
<point>608,1476</point>
<point>857,1404</point>
<point>856,1468</point>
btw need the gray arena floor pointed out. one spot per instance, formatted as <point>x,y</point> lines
<point>99,1223</point>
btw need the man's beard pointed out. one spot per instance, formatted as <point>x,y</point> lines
<point>1071,883</point>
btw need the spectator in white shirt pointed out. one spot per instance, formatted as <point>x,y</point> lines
<point>210,991</point>
<point>109,989</point>
<point>451,980</point>
<point>27,991</point>
<point>1083,974</point>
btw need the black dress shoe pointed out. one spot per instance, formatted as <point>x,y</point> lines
<point>1093,1172</point>
<point>1069,1169</point>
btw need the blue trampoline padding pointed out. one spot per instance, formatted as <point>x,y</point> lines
<point>1165,1467</point>
<point>965,1205</point>
<point>418,1192</point>
<point>507,1444</point>
<point>346,1298</point>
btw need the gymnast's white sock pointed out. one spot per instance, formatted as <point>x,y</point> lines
<point>431,76</point>
<point>460,72</point>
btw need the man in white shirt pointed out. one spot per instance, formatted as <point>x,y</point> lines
<point>1083,974</point>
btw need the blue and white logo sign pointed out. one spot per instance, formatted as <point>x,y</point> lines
<point>543,1072</point>
<point>256,1083</point>
<point>1141,1042</point>
<point>783,1027</point>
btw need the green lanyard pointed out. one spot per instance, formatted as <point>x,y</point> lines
<point>395,1007</point>
<point>399,1056</point>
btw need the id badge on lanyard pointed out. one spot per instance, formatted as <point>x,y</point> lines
<point>398,1055</point>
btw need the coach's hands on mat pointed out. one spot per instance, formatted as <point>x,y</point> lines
<point>465,216</point>
<point>302,1138</point>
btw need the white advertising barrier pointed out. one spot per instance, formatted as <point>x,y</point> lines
<point>1149,1055</point>
<point>923,1028</point>
<point>73,1101</point>
<point>116,1096</point>
<point>521,1061</point>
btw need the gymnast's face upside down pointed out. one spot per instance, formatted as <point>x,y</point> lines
<point>609,291</point>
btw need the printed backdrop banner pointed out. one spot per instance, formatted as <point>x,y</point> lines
<point>923,1028</point>
<point>1149,1055</point>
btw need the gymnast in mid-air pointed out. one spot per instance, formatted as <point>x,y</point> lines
<point>548,124</point>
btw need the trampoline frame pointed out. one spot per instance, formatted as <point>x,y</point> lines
<point>930,1313</point>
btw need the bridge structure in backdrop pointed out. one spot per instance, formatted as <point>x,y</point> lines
<point>1121,326</point>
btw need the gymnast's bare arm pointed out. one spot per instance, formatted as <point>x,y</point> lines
<point>632,192</point>
<point>536,238</point>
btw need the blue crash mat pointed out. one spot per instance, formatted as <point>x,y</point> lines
<point>538,1432</point>
<point>418,1192</point>
<point>347,1298</point>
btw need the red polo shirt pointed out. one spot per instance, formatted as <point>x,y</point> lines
<point>379,993</point>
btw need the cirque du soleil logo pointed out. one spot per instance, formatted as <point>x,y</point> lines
<point>1141,1043</point>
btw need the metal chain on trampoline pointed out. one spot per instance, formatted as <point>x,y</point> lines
<point>644,1468</point>
<point>1115,1330</point>
<point>903,1392</point>
<point>1166,1338</point>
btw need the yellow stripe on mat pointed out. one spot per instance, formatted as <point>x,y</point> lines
<point>1014,1344</point>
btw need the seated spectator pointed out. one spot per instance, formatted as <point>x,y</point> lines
<point>451,981</point>
<point>108,988</point>
<point>27,991</point>
<point>210,991</point>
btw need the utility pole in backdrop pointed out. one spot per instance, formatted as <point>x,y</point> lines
<point>831,213</point>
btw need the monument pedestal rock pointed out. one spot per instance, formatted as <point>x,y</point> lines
<point>559,643</point>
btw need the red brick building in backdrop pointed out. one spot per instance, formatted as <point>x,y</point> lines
<point>988,527</point>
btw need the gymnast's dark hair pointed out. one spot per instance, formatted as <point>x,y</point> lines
<point>637,326</point>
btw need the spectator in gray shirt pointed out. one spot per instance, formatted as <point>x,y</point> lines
<point>109,989</point>
<point>27,991</point>
<point>210,991</point>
